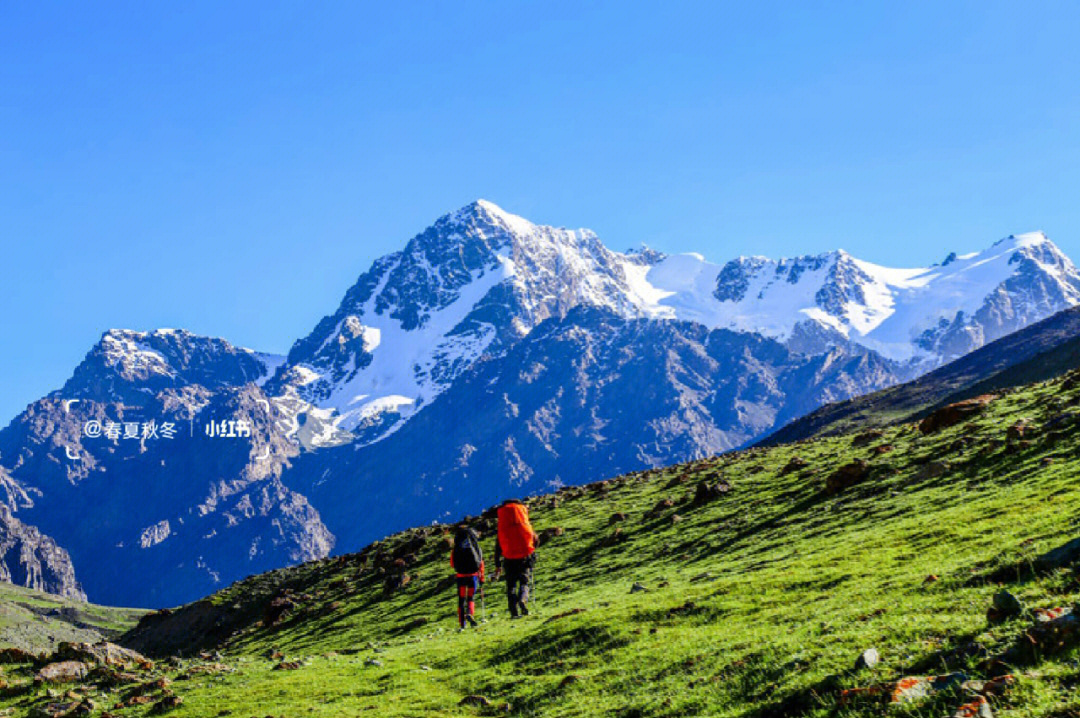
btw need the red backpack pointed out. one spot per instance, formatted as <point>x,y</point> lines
<point>516,538</point>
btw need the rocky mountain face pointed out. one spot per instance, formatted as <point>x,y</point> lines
<point>1035,353</point>
<point>590,394</point>
<point>29,558</point>
<point>489,356</point>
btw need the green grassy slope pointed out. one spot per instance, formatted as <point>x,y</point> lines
<point>758,601</point>
<point>36,621</point>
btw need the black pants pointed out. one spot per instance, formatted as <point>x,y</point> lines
<point>518,579</point>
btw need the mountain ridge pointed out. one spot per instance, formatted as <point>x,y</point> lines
<point>489,355</point>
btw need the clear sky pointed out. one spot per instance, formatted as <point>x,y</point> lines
<point>231,168</point>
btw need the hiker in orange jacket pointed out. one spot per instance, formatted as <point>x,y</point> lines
<point>467,560</point>
<point>516,547</point>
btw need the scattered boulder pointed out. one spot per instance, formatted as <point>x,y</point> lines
<point>847,476</point>
<point>18,655</point>
<point>277,610</point>
<point>675,518</point>
<point>905,690</point>
<point>638,588</point>
<point>882,449</point>
<point>63,672</point>
<point>867,659</point>
<point>867,437</point>
<point>954,414</point>
<point>706,492</point>
<point>208,668</point>
<point>913,688</point>
<point>794,464</point>
<point>617,518</point>
<point>548,534</point>
<point>476,700</point>
<point>617,537</point>
<point>167,704</point>
<point>54,710</point>
<point>993,687</point>
<point>978,708</point>
<point>1046,615</point>
<point>1058,633</point>
<point>373,662</point>
<point>288,666</point>
<point>1005,606</point>
<point>661,506</point>
<point>395,582</point>
<point>1020,430</point>
<point>109,677</point>
<point>102,653</point>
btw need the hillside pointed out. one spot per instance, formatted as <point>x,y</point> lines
<point>36,622</point>
<point>758,597</point>
<point>487,355</point>
<point>1035,353</point>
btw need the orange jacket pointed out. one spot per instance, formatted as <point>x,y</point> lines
<point>516,536</point>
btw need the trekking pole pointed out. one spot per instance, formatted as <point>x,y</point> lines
<point>483,605</point>
<point>532,585</point>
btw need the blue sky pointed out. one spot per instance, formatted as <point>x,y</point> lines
<point>231,168</point>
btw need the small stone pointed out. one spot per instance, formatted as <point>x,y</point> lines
<point>978,708</point>
<point>867,659</point>
<point>1005,606</point>
<point>475,700</point>
<point>638,588</point>
<point>846,476</point>
<point>373,662</point>
<point>794,464</point>
<point>287,666</point>
<point>166,704</point>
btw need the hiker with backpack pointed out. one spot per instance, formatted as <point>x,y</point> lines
<point>467,560</point>
<point>515,546</point>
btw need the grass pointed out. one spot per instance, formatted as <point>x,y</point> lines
<point>37,622</point>
<point>758,602</point>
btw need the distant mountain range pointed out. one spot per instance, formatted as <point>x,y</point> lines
<point>490,356</point>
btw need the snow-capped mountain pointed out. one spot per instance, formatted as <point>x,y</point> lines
<point>481,278</point>
<point>925,316</point>
<point>132,365</point>
<point>490,355</point>
<point>475,282</point>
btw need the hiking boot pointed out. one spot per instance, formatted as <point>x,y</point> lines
<point>472,621</point>
<point>524,610</point>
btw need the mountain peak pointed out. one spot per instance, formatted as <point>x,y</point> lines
<point>1025,239</point>
<point>489,213</point>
